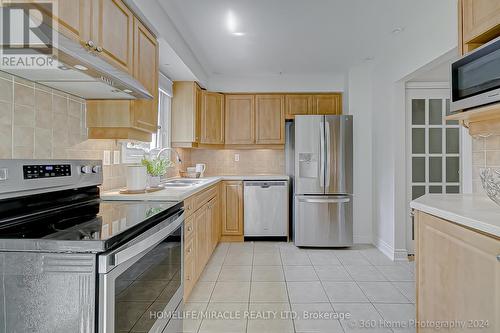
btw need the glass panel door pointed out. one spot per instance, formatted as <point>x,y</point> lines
<point>433,147</point>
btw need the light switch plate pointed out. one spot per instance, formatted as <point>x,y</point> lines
<point>116,157</point>
<point>106,160</point>
<point>236,157</point>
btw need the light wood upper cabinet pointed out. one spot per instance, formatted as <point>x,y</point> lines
<point>330,104</point>
<point>458,274</point>
<point>145,115</point>
<point>186,113</point>
<point>298,105</point>
<point>270,119</point>
<point>135,119</point>
<point>114,32</point>
<point>479,16</point>
<point>74,19</point>
<point>313,104</point>
<point>232,208</point>
<point>240,119</point>
<point>212,118</point>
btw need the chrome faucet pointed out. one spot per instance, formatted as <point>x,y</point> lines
<point>178,158</point>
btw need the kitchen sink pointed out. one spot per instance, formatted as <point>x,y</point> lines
<point>181,183</point>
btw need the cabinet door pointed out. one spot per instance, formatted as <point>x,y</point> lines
<point>458,274</point>
<point>215,222</point>
<point>327,104</point>
<point>74,19</point>
<point>212,118</point>
<point>270,119</point>
<point>145,112</point>
<point>232,212</point>
<point>114,27</point>
<point>200,220</point>
<point>298,105</point>
<point>240,119</point>
<point>479,16</point>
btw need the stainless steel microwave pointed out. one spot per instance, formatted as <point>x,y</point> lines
<point>475,78</point>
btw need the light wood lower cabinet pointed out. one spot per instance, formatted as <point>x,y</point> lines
<point>458,275</point>
<point>232,210</point>
<point>201,234</point>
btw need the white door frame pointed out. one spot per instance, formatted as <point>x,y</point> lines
<point>429,90</point>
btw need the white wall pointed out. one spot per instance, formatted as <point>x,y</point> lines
<point>278,83</point>
<point>412,49</point>
<point>359,105</point>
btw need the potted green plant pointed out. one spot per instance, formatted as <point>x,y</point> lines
<point>156,168</point>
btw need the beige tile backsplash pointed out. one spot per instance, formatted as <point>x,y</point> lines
<point>39,122</point>
<point>252,162</point>
<point>485,153</point>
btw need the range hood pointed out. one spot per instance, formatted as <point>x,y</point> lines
<point>82,73</point>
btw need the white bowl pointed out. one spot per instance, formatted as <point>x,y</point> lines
<point>490,177</point>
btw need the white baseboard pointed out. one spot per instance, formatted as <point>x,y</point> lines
<point>390,252</point>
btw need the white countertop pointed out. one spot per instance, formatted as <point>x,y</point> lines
<point>181,193</point>
<point>471,210</point>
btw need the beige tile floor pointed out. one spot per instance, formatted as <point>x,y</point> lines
<point>280,279</point>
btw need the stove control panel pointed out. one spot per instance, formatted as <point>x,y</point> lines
<point>46,171</point>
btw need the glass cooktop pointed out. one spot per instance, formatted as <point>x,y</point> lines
<point>103,223</point>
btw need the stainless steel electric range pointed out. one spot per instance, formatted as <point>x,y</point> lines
<point>70,262</point>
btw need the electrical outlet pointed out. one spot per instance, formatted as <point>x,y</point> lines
<point>236,157</point>
<point>106,159</point>
<point>116,157</point>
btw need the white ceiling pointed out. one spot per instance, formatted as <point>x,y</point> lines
<point>288,36</point>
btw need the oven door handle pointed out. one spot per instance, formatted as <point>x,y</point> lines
<point>138,246</point>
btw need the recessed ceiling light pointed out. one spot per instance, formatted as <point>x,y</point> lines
<point>238,33</point>
<point>398,30</point>
<point>81,67</point>
<point>231,23</point>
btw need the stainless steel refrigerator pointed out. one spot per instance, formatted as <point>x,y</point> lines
<point>319,160</point>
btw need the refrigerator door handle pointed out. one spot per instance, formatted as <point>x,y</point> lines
<point>322,154</point>
<point>326,201</point>
<point>327,153</point>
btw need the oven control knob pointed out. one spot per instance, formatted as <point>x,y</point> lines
<point>96,169</point>
<point>86,169</point>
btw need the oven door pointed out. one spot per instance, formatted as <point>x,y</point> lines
<point>141,281</point>
<point>476,78</point>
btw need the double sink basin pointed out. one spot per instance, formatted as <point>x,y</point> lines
<point>180,183</point>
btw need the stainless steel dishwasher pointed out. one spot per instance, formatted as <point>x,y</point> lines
<point>266,208</point>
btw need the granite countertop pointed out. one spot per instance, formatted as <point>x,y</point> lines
<point>181,193</point>
<point>471,210</point>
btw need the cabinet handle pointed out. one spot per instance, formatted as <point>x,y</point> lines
<point>99,49</point>
<point>498,257</point>
<point>90,44</point>
<point>190,228</point>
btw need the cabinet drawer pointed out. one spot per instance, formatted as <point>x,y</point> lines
<point>189,206</point>
<point>205,197</point>
<point>189,228</point>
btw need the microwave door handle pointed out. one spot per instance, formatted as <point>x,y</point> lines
<point>128,252</point>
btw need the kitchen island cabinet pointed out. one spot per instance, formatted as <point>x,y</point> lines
<point>457,263</point>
